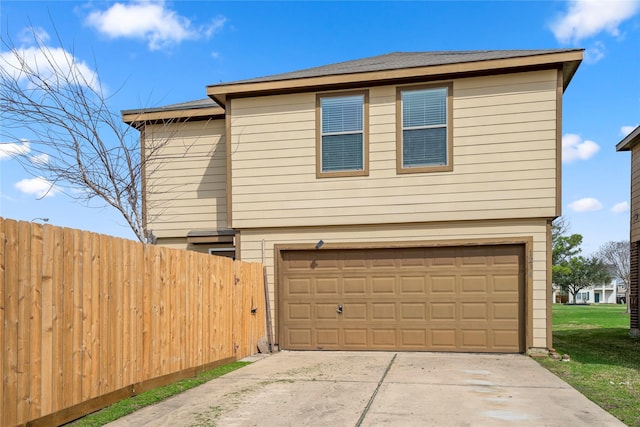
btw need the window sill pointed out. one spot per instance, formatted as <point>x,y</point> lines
<point>425,169</point>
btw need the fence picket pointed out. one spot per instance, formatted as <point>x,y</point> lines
<point>83,316</point>
<point>3,347</point>
<point>35,358</point>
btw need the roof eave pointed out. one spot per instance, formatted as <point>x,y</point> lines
<point>136,117</point>
<point>629,141</point>
<point>568,60</point>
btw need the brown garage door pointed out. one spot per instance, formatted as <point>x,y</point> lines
<point>439,299</point>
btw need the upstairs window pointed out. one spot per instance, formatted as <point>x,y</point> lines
<point>424,129</point>
<point>342,122</point>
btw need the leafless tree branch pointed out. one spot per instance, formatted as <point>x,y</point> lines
<point>74,140</point>
<point>617,255</point>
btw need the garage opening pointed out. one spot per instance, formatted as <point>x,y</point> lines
<point>464,298</point>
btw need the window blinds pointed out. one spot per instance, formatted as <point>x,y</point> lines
<point>424,127</point>
<point>342,133</point>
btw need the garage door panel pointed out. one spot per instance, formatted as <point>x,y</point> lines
<point>440,257</point>
<point>504,256</point>
<point>383,311</point>
<point>442,299</point>
<point>353,262</point>
<point>326,311</point>
<point>413,338</point>
<point>474,311</point>
<point>300,286</point>
<point>356,338</point>
<point>413,285</point>
<point>384,337</point>
<point>299,312</point>
<point>442,311</point>
<point>505,283</point>
<point>473,284</point>
<point>474,339</point>
<point>327,337</point>
<point>413,311</point>
<point>354,311</point>
<point>354,285</point>
<point>443,339</point>
<point>504,339</point>
<point>505,311</point>
<point>327,286</point>
<point>443,285</point>
<point>299,337</point>
<point>324,260</point>
<point>383,285</point>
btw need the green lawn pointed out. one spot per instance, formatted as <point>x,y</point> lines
<point>605,361</point>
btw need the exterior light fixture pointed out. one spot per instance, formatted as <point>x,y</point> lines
<point>319,244</point>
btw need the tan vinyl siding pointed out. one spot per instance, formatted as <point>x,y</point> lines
<point>535,229</point>
<point>186,178</point>
<point>635,193</point>
<point>504,148</point>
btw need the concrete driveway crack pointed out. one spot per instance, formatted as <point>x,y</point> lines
<point>375,392</point>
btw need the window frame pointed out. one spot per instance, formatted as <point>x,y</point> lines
<point>400,169</point>
<point>365,135</point>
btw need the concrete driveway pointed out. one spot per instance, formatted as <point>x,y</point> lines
<point>379,389</point>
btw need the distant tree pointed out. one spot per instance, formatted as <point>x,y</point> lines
<point>618,256</point>
<point>580,273</point>
<point>55,108</point>
<point>564,247</point>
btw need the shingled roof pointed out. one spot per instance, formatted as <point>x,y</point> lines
<point>398,60</point>
<point>199,109</point>
<point>402,67</point>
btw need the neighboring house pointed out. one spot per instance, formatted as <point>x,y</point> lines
<point>400,202</point>
<point>608,293</point>
<point>603,294</point>
<point>632,143</point>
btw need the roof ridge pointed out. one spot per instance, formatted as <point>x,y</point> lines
<point>399,59</point>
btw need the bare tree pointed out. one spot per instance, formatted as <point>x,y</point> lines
<point>559,227</point>
<point>617,255</point>
<point>55,107</point>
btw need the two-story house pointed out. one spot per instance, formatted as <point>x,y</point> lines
<point>632,143</point>
<point>399,202</point>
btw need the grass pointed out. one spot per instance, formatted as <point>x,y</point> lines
<point>605,360</point>
<point>132,404</point>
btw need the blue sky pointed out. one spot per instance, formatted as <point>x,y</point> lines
<point>152,53</point>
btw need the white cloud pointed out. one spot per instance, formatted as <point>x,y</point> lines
<point>586,204</point>
<point>586,18</point>
<point>594,53</point>
<point>620,207</point>
<point>574,148</point>
<point>626,130</point>
<point>10,149</point>
<point>39,186</point>
<point>152,21</point>
<point>45,62</point>
<point>28,34</point>
<point>40,159</point>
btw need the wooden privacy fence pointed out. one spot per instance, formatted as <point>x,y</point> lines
<point>89,319</point>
